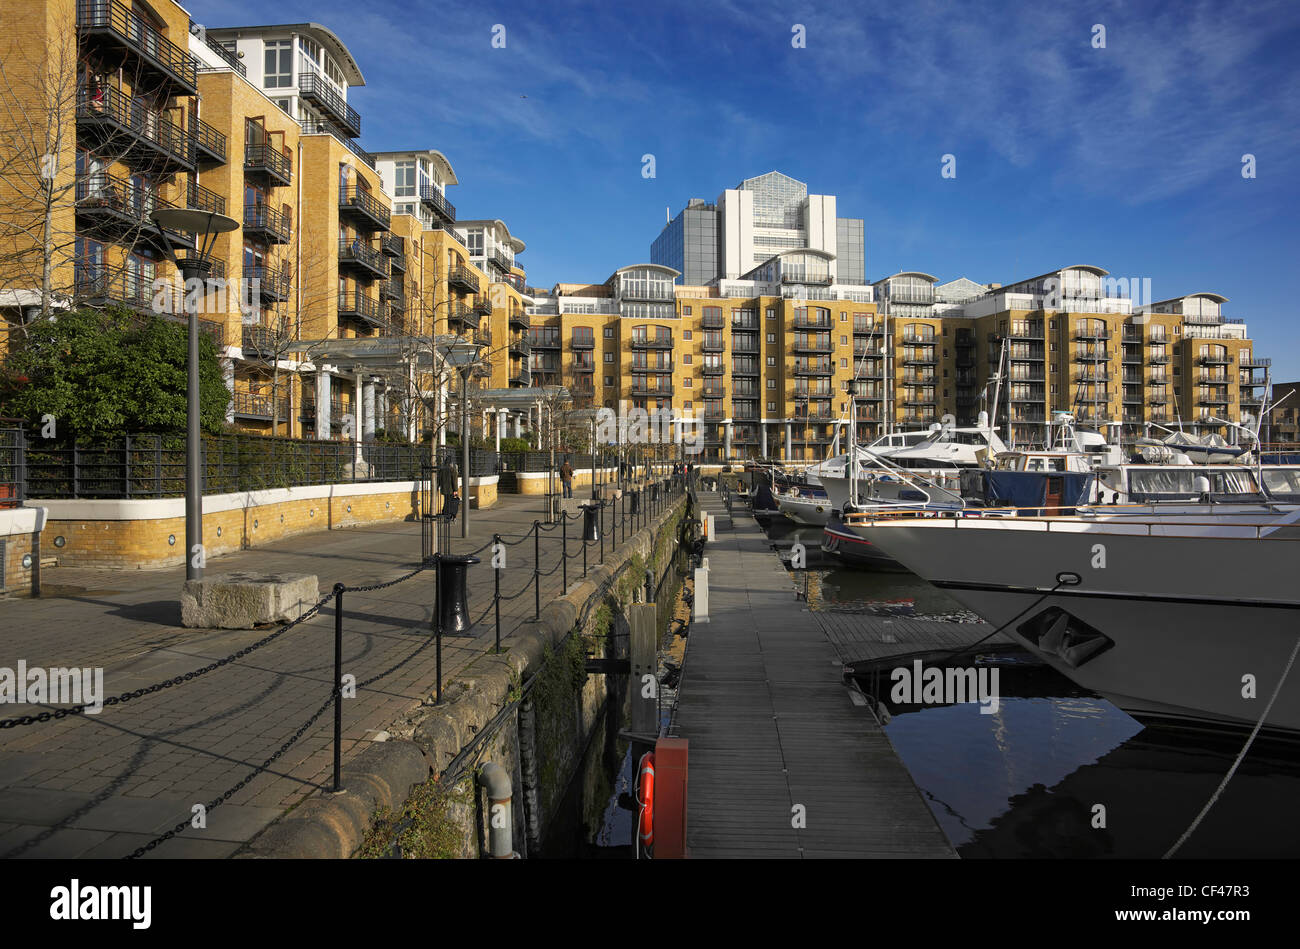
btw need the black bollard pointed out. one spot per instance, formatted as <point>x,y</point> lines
<point>590,530</point>
<point>453,592</point>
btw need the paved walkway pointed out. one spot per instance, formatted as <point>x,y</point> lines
<point>773,729</point>
<point>103,785</point>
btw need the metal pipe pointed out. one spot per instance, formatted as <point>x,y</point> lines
<point>496,781</point>
<point>464,451</point>
<point>193,269</point>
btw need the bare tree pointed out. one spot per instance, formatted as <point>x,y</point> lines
<point>45,180</point>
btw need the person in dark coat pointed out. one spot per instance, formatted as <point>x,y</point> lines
<point>566,478</point>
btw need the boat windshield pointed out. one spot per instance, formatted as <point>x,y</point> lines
<point>1282,481</point>
<point>1182,482</point>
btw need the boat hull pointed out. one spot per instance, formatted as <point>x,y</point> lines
<point>1175,646</point>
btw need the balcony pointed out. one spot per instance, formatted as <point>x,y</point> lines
<point>210,145</point>
<point>268,163</point>
<point>272,283</point>
<point>807,322</point>
<point>500,261</point>
<point>483,307</point>
<point>462,317</point>
<point>365,211</point>
<point>868,329</point>
<point>266,224</point>
<point>521,320</point>
<point>118,209</point>
<point>391,289</point>
<point>260,342</point>
<point>646,389</point>
<point>713,369</point>
<point>1255,362</point>
<point>355,305</point>
<point>807,278</point>
<point>1214,359</point>
<point>714,415</point>
<point>359,258</point>
<point>582,344</point>
<point>134,132</point>
<point>1218,398</point>
<point>652,342</point>
<point>463,279</point>
<point>920,401</point>
<point>715,392</point>
<point>919,379</point>
<point>321,93</point>
<point>813,347</point>
<point>521,347</point>
<point>1092,377</point>
<point>1158,360</point>
<point>1091,332</point>
<point>1091,355</point>
<point>713,321</point>
<point>641,291</point>
<point>714,345</point>
<point>521,377</point>
<point>544,340</point>
<point>251,405</point>
<point>583,366</point>
<point>204,199</point>
<point>664,367</point>
<point>113,28</point>
<point>394,247</point>
<point>814,369</point>
<point>919,359</point>
<point>437,202</point>
<point>231,59</point>
<point>744,369</point>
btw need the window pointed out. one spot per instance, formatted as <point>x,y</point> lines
<point>686,334</point>
<point>285,105</point>
<point>609,332</point>
<point>771,360</point>
<point>686,311</point>
<point>686,383</point>
<point>844,317</point>
<point>771,383</point>
<point>278,64</point>
<point>771,406</point>
<point>310,49</point>
<point>844,341</point>
<point>687,359</point>
<point>609,357</point>
<point>404,180</point>
<point>771,337</point>
<point>609,381</point>
<point>771,312</point>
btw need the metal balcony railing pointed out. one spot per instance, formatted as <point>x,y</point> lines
<point>273,283</point>
<point>359,255</point>
<point>652,342</point>
<point>204,199</point>
<point>361,207</point>
<point>357,306</point>
<point>111,22</point>
<point>438,203</point>
<point>108,203</point>
<point>463,278</point>
<point>267,160</point>
<point>275,227</point>
<point>133,129</point>
<point>322,93</point>
<point>230,58</point>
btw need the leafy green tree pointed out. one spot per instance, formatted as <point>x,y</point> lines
<point>106,373</point>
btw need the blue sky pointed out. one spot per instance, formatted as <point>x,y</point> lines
<point>1128,157</point>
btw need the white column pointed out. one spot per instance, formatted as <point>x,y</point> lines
<point>228,374</point>
<point>499,417</point>
<point>322,403</point>
<point>519,428</point>
<point>726,437</point>
<point>358,413</point>
<point>368,407</point>
<point>789,443</point>
<point>762,435</point>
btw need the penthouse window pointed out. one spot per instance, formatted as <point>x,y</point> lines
<point>279,64</point>
<point>404,179</point>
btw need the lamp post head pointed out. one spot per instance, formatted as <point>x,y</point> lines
<point>204,225</point>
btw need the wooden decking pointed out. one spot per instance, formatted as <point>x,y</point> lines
<point>861,639</point>
<point>774,731</point>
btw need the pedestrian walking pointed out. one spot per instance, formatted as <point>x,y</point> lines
<point>566,478</point>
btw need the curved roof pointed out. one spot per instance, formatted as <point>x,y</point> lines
<point>320,33</point>
<point>667,270</point>
<point>1099,271</point>
<point>803,250</point>
<point>1216,297</point>
<point>911,273</point>
<point>515,243</point>
<point>435,156</point>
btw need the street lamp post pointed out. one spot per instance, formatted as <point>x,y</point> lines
<point>462,355</point>
<point>205,226</point>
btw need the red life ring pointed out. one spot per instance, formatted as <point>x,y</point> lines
<point>645,796</point>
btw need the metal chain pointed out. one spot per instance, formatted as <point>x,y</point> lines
<point>383,586</point>
<point>158,686</point>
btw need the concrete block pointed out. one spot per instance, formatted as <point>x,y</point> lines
<point>246,600</point>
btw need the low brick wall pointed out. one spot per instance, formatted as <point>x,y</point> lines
<point>19,528</point>
<point>151,533</point>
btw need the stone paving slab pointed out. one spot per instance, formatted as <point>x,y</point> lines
<point>101,785</point>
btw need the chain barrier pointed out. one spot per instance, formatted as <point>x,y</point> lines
<point>167,684</point>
